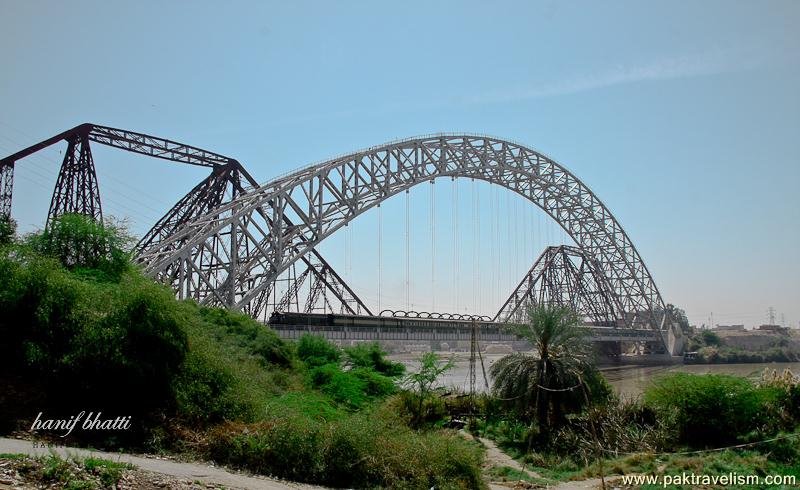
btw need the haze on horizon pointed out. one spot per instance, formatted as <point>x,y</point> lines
<point>683,117</point>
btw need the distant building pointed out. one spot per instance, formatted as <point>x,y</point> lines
<point>730,328</point>
<point>772,328</point>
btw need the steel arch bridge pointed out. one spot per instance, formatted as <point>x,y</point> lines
<point>227,242</point>
<point>246,244</point>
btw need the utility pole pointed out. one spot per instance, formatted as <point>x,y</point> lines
<point>771,315</point>
<point>473,351</point>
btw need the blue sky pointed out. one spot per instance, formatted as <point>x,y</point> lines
<point>683,117</point>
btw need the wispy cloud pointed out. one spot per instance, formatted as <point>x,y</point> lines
<point>704,64</point>
<point>730,60</point>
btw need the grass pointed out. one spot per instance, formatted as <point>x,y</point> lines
<point>774,458</point>
<point>509,474</point>
<point>558,469</point>
<point>109,472</point>
<point>72,473</point>
<point>720,463</point>
<point>363,449</point>
<point>13,456</point>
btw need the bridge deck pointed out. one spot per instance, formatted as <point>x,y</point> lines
<point>498,333</point>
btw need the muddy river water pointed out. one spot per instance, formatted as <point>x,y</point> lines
<point>628,381</point>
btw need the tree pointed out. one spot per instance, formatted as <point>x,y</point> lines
<point>559,359</point>
<point>679,316</point>
<point>8,230</point>
<point>86,246</point>
<point>423,381</point>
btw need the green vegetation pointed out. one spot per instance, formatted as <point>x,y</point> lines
<point>743,462</point>
<point>550,381</point>
<point>678,315</point>
<point>365,378</point>
<point>679,413</point>
<point>370,356</point>
<point>419,401</point>
<point>73,473</point>
<point>712,349</point>
<point>83,329</point>
<point>371,448</point>
<point>85,247</point>
<point>734,355</point>
<point>8,230</point>
<point>717,410</point>
<point>86,338</point>
<point>573,431</point>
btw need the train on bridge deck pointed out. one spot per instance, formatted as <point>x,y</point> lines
<point>400,328</point>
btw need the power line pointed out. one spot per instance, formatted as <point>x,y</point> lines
<point>456,240</point>
<point>380,256</point>
<point>408,291</point>
<point>433,246</point>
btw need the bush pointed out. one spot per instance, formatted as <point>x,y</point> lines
<point>234,368</point>
<point>311,405</point>
<point>352,388</point>
<point>85,246</point>
<point>712,410</point>
<point>343,387</point>
<point>358,451</point>
<point>128,359</point>
<point>249,334</point>
<point>421,411</point>
<point>203,391</point>
<point>315,350</point>
<point>710,338</point>
<point>621,426</point>
<point>370,355</point>
<point>376,385</point>
<point>8,230</point>
<point>39,313</point>
<point>90,346</point>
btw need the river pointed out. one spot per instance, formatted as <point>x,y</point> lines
<point>628,381</point>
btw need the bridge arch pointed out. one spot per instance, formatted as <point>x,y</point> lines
<point>233,255</point>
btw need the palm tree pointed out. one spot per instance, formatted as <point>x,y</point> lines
<point>560,354</point>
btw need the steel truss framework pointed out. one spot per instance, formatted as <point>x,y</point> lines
<point>6,188</point>
<point>320,199</point>
<point>77,191</point>
<point>76,188</point>
<point>565,276</point>
<point>435,315</point>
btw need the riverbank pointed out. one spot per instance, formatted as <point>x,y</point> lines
<point>628,381</point>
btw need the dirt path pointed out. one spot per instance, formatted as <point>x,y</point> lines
<point>189,471</point>
<point>496,457</point>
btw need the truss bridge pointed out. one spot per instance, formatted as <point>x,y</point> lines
<point>232,242</point>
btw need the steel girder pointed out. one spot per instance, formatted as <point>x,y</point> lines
<point>323,198</point>
<point>565,276</point>
<point>76,188</point>
<point>6,188</point>
<point>130,141</point>
<point>223,185</point>
<point>77,191</point>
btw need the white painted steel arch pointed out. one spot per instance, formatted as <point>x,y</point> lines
<point>233,255</point>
